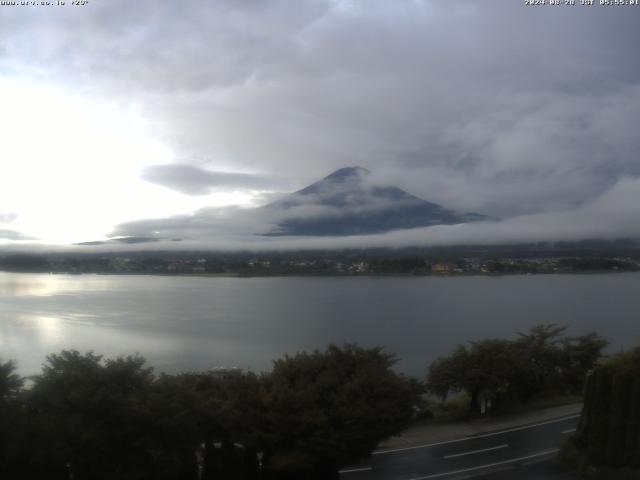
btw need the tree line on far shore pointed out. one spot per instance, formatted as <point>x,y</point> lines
<point>87,417</point>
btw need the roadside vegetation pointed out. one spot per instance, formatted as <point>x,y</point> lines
<point>87,417</point>
<point>607,442</point>
<point>540,368</point>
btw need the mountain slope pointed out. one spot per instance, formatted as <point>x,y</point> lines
<point>347,203</point>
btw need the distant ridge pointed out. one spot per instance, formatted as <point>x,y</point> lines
<point>346,202</point>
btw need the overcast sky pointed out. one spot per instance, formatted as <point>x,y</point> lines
<point>128,117</point>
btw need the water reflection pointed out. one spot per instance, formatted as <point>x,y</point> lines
<point>24,286</point>
<point>29,338</point>
<point>39,329</point>
<point>44,284</point>
<point>182,323</point>
<point>48,330</point>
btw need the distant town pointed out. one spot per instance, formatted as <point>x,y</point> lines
<point>496,260</point>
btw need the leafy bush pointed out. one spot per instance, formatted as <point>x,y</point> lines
<point>92,418</point>
<point>608,436</point>
<point>498,373</point>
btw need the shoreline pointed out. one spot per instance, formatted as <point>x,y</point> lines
<point>326,275</point>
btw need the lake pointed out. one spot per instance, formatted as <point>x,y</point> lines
<point>194,323</point>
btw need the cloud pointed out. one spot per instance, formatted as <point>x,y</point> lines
<point>193,180</point>
<point>612,215</point>
<point>207,223</point>
<point>8,217</point>
<point>489,107</point>
<point>13,235</point>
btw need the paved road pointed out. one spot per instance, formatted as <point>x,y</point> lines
<point>546,470</point>
<point>469,456</point>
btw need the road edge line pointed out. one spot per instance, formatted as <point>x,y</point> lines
<point>489,465</point>
<point>471,437</point>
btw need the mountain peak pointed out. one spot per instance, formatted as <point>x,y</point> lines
<point>343,203</point>
<point>348,173</point>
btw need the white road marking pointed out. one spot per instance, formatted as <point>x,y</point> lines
<point>472,437</point>
<point>353,470</point>
<point>571,430</point>
<point>489,465</point>
<point>455,455</point>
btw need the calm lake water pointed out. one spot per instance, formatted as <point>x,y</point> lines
<point>181,323</point>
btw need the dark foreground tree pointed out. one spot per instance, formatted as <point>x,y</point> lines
<point>580,355</point>
<point>10,382</point>
<point>88,418</point>
<point>10,390</point>
<point>486,371</point>
<point>325,409</point>
<point>496,372</point>
<point>608,435</point>
<point>207,422</point>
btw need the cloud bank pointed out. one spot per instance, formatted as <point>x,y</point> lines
<point>194,180</point>
<point>13,235</point>
<point>611,216</point>
<point>8,217</point>
<point>512,111</point>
